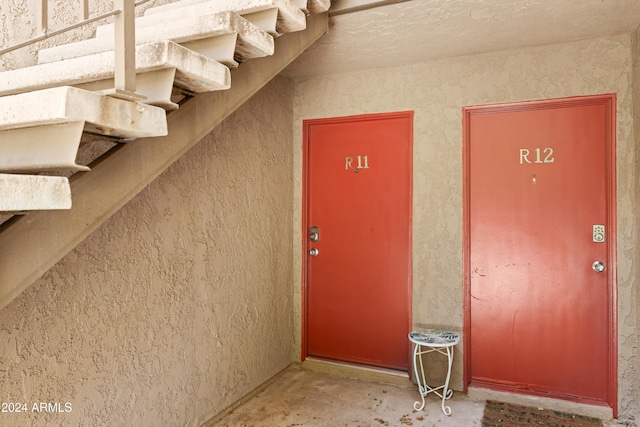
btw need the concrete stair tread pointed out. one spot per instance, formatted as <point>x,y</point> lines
<point>289,19</point>
<point>44,148</point>
<point>34,192</point>
<point>125,119</point>
<point>301,4</point>
<point>193,71</point>
<point>251,41</point>
<point>41,130</point>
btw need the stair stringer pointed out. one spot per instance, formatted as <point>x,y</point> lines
<point>44,238</point>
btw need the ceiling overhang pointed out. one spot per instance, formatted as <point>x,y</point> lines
<point>341,7</point>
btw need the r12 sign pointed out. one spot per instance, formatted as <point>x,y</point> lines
<point>542,155</point>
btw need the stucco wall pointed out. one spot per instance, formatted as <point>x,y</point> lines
<point>179,304</point>
<point>437,92</point>
<point>634,372</point>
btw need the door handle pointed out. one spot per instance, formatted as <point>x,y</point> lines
<point>598,266</point>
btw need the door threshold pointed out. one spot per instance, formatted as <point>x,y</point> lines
<point>360,372</point>
<point>595,411</point>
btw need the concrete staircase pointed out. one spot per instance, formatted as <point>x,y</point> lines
<point>196,62</point>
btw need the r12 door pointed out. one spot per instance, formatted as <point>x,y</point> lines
<point>539,177</point>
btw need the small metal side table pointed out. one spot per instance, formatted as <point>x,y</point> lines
<point>427,341</point>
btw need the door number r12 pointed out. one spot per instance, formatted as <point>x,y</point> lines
<point>539,155</point>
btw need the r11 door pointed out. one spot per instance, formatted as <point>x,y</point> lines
<point>539,193</point>
<point>359,201</point>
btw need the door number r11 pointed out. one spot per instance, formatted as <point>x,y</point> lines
<point>363,162</point>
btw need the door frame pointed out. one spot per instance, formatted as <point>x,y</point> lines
<point>306,124</point>
<point>609,101</point>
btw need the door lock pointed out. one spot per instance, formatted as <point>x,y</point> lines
<point>314,252</point>
<point>314,234</point>
<point>598,233</point>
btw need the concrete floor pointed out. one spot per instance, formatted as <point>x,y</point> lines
<point>325,396</point>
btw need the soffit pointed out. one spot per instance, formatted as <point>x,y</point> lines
<point>425,30</point>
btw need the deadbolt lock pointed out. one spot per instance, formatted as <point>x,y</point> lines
<point>314,234</point>
<point>598,233</point>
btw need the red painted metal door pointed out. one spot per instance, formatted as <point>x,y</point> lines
<point>539,177</point>
<point>358,195</point>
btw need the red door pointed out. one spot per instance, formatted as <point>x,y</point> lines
<point>539,193</point>
<point>358,195</point>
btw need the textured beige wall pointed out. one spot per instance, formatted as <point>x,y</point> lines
<point>437,92</point>
<point>633,371</point>
<point>179,304</point>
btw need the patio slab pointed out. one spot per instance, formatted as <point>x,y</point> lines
<point>300,397</point>
<point>312,398</point>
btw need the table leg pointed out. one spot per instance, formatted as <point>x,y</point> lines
<point>419,376</point>
<point>447,392</point>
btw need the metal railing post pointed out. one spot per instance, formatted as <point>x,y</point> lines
<point>125,46</point>
<point>85,10</point>
<point>43,17</point>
